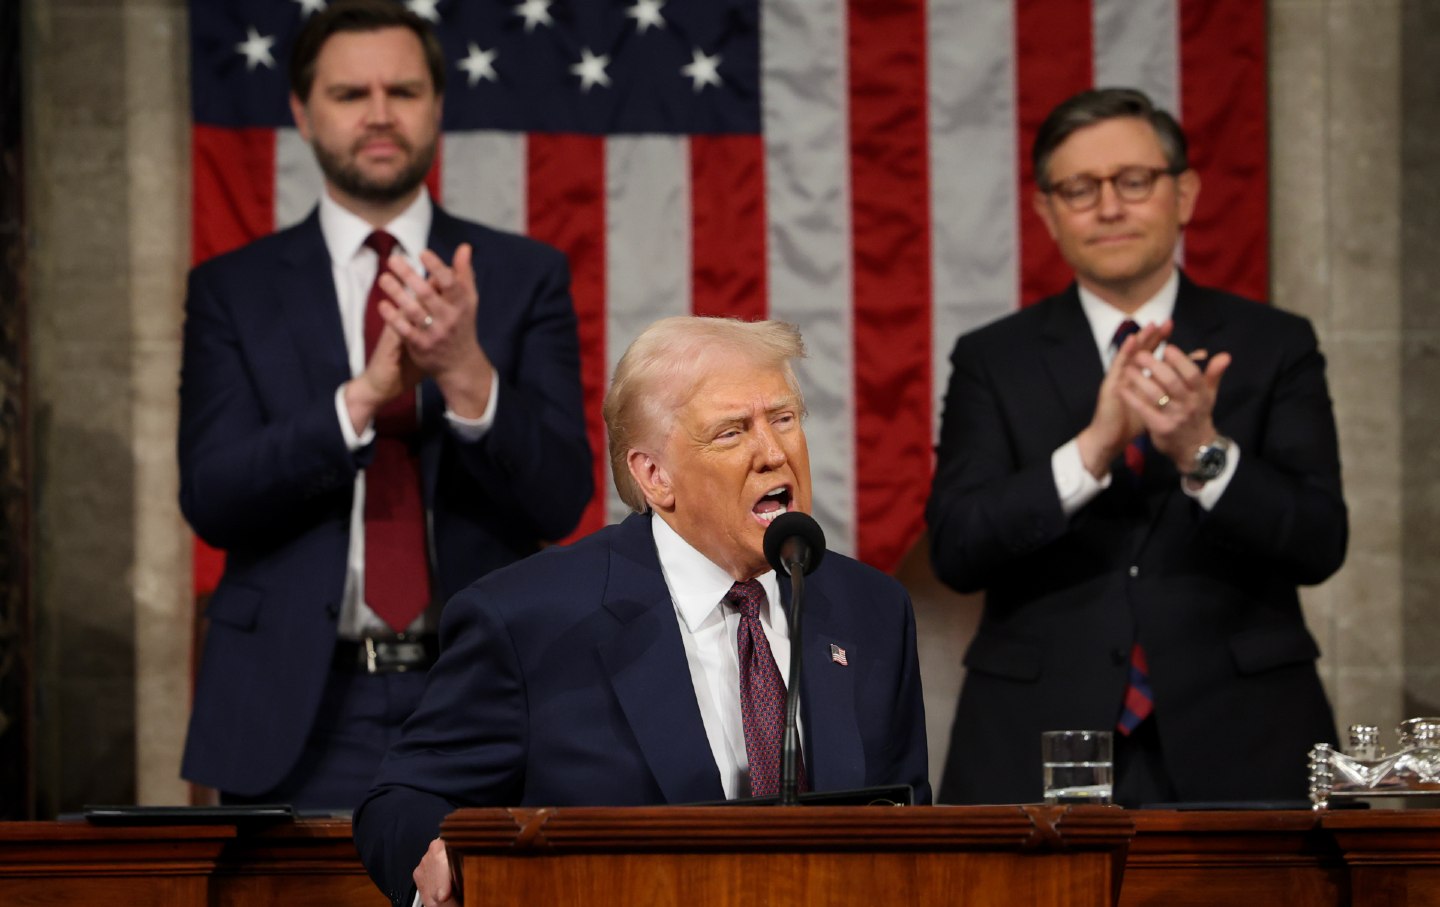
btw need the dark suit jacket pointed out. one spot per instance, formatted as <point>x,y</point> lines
<point>266,476</point>
<point>563,682</point>
<point>1211,596</point>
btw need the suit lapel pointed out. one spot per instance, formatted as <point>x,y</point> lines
<point>305,299</point>
<point>649,674</point>
<point>1069,354</point>
<point>834,755</point>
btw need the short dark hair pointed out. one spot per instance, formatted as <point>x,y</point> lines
<point>1096,105</point>
<point>360,16</point>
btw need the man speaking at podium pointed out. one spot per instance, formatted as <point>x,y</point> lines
<point>644,665</point>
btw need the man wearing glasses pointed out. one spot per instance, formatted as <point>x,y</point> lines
<point>1138,472</point>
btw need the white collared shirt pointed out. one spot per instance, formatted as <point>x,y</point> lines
<point>1074,483</point>
<point>708,628</point>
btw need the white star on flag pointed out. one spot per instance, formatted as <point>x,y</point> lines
<point>591,70</point>
<point>425,9</point>
<point>646,13</point>
<point>838,655</point>
<point>307,7</point>
<point>479,64</point>
<point>702,70</point>
<point>256,48</point>
<point>536,12</point>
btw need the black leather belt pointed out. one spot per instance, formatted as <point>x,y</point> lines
<point>387,655</point>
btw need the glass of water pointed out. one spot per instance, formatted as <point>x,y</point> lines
<point>1079,766</point>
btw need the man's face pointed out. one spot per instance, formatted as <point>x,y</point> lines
<point>735,459</point>
<point>1123,251</point>
<point>372,116</point>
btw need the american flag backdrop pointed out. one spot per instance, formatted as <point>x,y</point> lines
<point>858,168</point>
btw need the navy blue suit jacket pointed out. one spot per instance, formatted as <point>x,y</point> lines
<point>1211,595</point>
<point>563,682</point>
<point>265,473</point>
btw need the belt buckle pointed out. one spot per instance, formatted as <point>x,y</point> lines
<point>392,656</point>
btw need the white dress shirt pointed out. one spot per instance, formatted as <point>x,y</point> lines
<point>708,628</point>
<point>1076,486</point>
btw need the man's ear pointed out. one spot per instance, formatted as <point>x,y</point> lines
<point>653,479</point>
<point>1041,203</point>
<point>300,115</point>
<point>1187,192</point>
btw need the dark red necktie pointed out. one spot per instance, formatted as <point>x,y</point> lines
<point>1139,700</point>
<point>397,573</point>
<point>762,693</point>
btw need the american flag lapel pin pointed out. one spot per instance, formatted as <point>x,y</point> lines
<point>838,655</point>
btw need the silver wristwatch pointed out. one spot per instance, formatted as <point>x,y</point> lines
<point>1210,460</point>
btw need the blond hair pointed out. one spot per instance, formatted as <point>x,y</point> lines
<point>661,369</point>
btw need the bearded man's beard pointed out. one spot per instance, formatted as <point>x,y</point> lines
<point>342,170</point>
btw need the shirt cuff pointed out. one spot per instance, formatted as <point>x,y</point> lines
<point>1208,495</point>
<point>1073,482</point>
<point>472,430</point>
<point>353,442</point>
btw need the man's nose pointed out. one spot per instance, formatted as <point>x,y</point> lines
<point>1110,205</point>
<point>377,108</point>
<point>768,448</point>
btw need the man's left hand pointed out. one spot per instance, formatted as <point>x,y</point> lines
<point>1176,400</point>
<point>435,317</point>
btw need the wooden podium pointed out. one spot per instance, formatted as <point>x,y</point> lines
<point>818,855</point>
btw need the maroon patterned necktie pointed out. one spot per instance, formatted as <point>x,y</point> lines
<point>762,693</point>
<point>397,573</point>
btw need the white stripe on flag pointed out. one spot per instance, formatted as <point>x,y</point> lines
<point>975,240</point>
<point>808,244</point>
<point>647,245</point>
<point>1137,45</point>
<point>482,178</point>
<point>298,180</point>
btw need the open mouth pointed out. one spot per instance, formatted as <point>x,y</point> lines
<point>772,504</point>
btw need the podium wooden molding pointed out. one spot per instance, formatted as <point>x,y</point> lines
<point>823,855</point>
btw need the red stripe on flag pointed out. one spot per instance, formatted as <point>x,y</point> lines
<point>727,214</point>
<point>1223,107</point>
<point>890,192</point>
<point>432,176</point>
<point>233,188</point>
<point>566,208</point>
<point>232,202</point>
<point>1054,49</point>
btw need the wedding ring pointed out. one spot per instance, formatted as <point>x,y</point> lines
<point>1163,401</point>
<point>429,320</point>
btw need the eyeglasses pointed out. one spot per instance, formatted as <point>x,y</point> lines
<point>1132,184</point>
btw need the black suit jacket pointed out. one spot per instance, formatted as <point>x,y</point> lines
<point>265,473</point>
<point>563,682</point>
<point>1212,596</point>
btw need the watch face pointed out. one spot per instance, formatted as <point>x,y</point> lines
<point>1210,462</point>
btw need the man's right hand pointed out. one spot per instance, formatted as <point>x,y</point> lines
<point>1115,424</point>
<point>387,375</point>
<point>433,881</point>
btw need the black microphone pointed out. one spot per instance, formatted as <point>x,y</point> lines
<point>793,540</point>
<point>794,544</point>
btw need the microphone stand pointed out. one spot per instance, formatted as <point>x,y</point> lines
<point>790,747</point>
